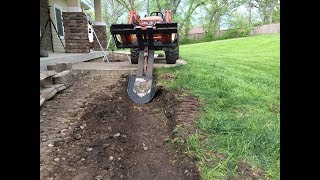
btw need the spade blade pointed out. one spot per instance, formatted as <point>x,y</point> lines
<point>141,89</point>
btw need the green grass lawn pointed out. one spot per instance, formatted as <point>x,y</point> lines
<point>238,80</point>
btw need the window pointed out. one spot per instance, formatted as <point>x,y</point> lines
<point>59,25</point>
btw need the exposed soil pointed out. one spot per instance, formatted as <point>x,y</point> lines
<point>246,171</point>
<point>94,131</point>
<point>117,57</point>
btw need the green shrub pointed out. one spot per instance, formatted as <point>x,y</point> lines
<point>237,32</point>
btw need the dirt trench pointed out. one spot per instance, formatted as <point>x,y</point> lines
<point>94,131</point>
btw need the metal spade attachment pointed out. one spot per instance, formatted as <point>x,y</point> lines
<point>141,89</point>
<point>142,86</point>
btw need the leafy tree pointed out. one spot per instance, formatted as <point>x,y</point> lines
<point>131,4</point>
<point>186,21</point>
<point>276,12</point>
<point>214,11</point>
<point>266,9</point>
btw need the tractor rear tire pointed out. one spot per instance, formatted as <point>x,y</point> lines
<point>134,55</point>
<point>172,55</point>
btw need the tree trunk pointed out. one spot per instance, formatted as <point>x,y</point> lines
<point>187,20</point>
<point>210,29</point>
<point>271,11</point>
<point>250,13</point>
<point>217,24</point>
<point>187,27</point>
<point>174,10</point>
<point>124,4</point>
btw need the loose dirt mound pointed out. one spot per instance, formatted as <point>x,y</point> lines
<point>94,131</point>
<point>117,57</point>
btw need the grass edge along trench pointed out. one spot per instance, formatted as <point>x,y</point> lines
<point>238,81</point>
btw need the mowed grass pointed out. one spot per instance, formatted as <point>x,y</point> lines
<point>238,80</point>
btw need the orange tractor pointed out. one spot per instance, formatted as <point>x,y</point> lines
<point>144,36</point>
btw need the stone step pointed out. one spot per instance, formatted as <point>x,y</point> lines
<point>59,87</point>
<point>41,100</point>
<point>64,77</point>
<point>60,67</point>
<point>46,78</point>
<point>48,92</point>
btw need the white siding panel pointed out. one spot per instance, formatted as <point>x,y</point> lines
<point>57,46</point>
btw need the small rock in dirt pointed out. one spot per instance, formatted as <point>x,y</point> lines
<point>63,158</point>
<point>43,139</point>
<point>41,120</point>
<point>123,135</point>
<point>43,114</point>
<point>66,140</point>
<point>137,108</point>
<point>74,114</point>
<point>79,103</point>
<point>159,145</point>
<point>99,177</point>
<point>83,126</point>
<point>111,171</point>
<point>82,159</point>
<point>56,159</point>
<point>111,158</point>
<point>122,139</point>
<point>116,135</point>
<point>105,145</point>
<point>144,147</point>
<point>78,136</point>
<point>50,145</point>
<point>57,143</point>
<point>89,149</point>
<point>109,128</point>
<point>119,159</point>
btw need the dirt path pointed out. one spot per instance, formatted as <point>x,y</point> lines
<point>94,131</point>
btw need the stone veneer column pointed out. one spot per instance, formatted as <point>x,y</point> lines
<point>100,31</point>
<point>76,32</point>
<point>99,27</point>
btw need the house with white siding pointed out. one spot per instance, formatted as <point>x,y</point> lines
<point>70,23</point>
